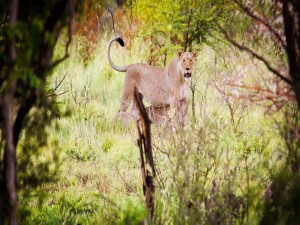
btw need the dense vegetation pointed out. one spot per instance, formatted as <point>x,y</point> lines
<point>235,163</point>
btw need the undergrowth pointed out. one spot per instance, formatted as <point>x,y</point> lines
<point>215,170</point>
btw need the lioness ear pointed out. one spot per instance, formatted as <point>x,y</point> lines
<point>179,53</point>
<point>194,53</point>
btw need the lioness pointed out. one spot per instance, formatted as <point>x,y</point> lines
<point>159,87</point>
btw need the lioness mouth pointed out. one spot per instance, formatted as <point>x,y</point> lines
<point>187,74</point>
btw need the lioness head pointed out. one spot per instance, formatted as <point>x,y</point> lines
<point>187,61</point>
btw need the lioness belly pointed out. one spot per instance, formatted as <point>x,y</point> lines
<point>154,95</point>
<point>151,83</point>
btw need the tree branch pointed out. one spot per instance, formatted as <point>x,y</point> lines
<point>55,63</point>
<point>54,89</point>
<point>249,12</point>
<point>69,38</point>
<point>254,54</point>
<point>22,113</point>
<point>146,156</point>
<point>112,17</point>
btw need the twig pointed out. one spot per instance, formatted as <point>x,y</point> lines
<point>74,97</point>
<point>130,189</point>
<point>112,17</point>
<point>52,92</point>
<point>224,97</point>
<point>57,94</point>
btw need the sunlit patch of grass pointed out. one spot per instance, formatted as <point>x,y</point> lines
<point>100,180</point>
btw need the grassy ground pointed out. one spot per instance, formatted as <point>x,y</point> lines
<point>100,180</point>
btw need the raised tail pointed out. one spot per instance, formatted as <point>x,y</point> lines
<point>118,68</point>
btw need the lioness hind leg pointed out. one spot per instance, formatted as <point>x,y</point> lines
<point>126,99</point>
<point>125,104</point>
<point>127,93</point>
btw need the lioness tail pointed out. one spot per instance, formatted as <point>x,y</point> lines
<point>118,68</point>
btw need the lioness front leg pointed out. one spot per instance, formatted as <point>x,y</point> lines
<point>175,108</point>
<point>184,117</point>
<point>179,109</point>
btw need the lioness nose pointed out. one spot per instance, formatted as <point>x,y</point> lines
<point>187,69</point>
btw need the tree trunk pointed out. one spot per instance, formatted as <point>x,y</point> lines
<point>9,185</point>
<point>291,12</point>
<point>9,168</point>
<point>146,156</point>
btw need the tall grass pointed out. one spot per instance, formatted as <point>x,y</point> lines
<point>100,181</point>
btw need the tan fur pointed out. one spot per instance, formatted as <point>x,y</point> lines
<point>158,115</point>
<point>160,87</point>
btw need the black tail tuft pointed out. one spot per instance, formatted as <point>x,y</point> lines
<point>120,41</point>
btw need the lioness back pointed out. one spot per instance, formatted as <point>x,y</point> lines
<point>150,81</point>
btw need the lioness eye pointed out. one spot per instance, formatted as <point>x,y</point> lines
<point>183,60</point>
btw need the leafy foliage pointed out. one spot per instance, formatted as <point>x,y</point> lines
<point>170,25</point>
<point>29,32</point>
<point>232,165</point>
<point>283,206</point>
<point>210,177</point>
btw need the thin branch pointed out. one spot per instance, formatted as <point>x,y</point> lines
<point>112,17</point>
<point>254,54</point>
<point>55,63</point>
<point>57,94</point>
<point>265,23</point>
<point>127,186</point>
<point>74,97</point>
<point>226,100</point>
<point>70,31</point>
<point>52,92</point>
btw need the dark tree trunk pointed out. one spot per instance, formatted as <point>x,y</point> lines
<point>9,167</point>
<point>146,156</point>
<point>14,80</point>
<point>9,186</point>
<point>291,17</point>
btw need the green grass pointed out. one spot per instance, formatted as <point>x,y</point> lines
<point>100,179</point>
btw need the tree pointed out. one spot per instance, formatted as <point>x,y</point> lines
<point>291,20</point>
<point>29,32</point>
<point>278,22</point>
<point>169,25</point>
